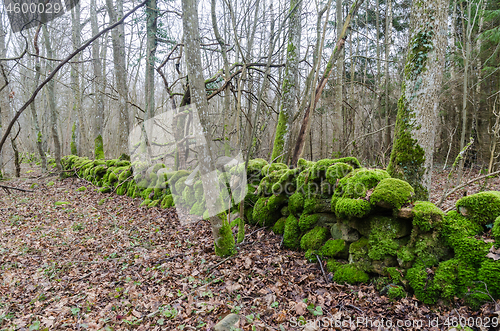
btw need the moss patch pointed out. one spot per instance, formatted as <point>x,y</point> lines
<point>483,207</point>
<point>292,234</point>
<point>279,226</point>
<point>347,273</point>
<point>335,248</point>
<point>392,193</point>
<point>426,216</point>
<point>314,239</point>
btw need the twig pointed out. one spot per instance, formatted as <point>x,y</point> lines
<point>15,188</point>
<point>322,270</point>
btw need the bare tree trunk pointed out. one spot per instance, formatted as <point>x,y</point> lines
<point>98,87</point>
<point>413,148</point>
<point>52,99</point>
<point>118,41</point>
<point>388,43</point>
<point>75,81</point>
<point>198,97</point>
<point>34,114</point>
<point>151,29</point>
<point>290,86</point>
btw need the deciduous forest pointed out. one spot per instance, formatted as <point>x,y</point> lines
<point>250,165</point>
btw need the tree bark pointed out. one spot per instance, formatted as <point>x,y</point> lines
<point>413,148</point>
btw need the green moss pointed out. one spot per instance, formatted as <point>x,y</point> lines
<point>189,196</point>
<point>392,193</point>
<point>74,150</point>
<point>198,208</point>
<point>318,170</point>
<point>496,230</point>
<point>489,274</point>
<point>131,189</point>
<point>315,238</point>
<point>105,189</point>
<point>426,216</point>
<point>303,164</point>
<point>335,248</point>
<point>61,203</point>
<point>225,245</point>
<point>347,208</point>
<point>279,226</point>
<point>146,194</point>
<point>347,273</point>
<point>267,183</point>
<point>429,249</point>
<point>310,255</point>
<point>296,203</point>
<point>266,211</point>
<point>154,203</point>
<point>471,251</point>
<point>357,183</point>
<point>350,160</point>
<point>453,278</point>
<point>241,229</point>
<point>332,265</point>
<point>269,168</point>
<point>98,148</point>
<point>285,211</point>
<point>145,203</point>
<point>50,184</point>
<point>255,167</point>
<point>483,207</point>
<point>455,227</point>
<point>292,234</point>
<point>337,171</point>
<point>307,222</point>
<point>395,274</point>
<point>286,183</point>
<point>420,280</point>
<point>81,189</point>
<point>396,292</point>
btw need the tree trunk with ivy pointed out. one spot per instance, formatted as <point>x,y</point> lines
<point>289,87</point>
<point>413,148</point>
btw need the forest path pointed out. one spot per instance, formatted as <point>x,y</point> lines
<point>99,261</point>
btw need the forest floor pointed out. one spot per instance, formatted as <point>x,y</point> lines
<point>102,262</point>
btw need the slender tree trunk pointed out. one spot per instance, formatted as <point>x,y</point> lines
<point>388,43</point>
<point>413,148</point>
<point>118,41</point>
<point>98,86</point>
<point>52,99</point>
<point>151,29</point>
<point>75,81</point>
<point>290,86</point>
<point>39,141</point>
<point>198,97</point>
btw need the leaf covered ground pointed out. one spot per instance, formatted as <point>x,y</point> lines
<point>81,260</point>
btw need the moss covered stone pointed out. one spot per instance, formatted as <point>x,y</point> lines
<point>198,208</point>
<point>296,203</point>
<point>167,201</point>
<point>292,233</point>
<point>347,273</point>
<point>471,250</point>
<point>455,227</point>
<point>489,273</point>
<point>347,208</point>
<point>335,248</point>
<point>336,172</point>
<point>303,164</point>
<point>81,189</point>
<point>426,216</point>
<point>453,278</point>
<point>396,292</point>
<point>267,211</point>
<point>332,265</point>
<point>270,168</point>
<point>420,280</point>
<point>315,238</point>
<point>310,255</point>
<point>483,207</point>
<point>391,193</point>
<point>154,203</point>
<point>255,167</point>
<point>317,205</point>
<point>350,160</point>
<point>307,222</point>
<point>357,183</point>
<point>279,226</point>
<point>105,189</point>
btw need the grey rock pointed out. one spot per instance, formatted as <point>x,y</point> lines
<point>227,322</point>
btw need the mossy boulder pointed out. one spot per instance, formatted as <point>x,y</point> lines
<point>357,183</point>
<point>483,207</point>
<point>351,274</point>
<point>391,193</point>
<point>336,172</point>
<point>426,216</point>
<point>270,168</point>
<point>267,210</point>
<point>255,167</point>
<point>455,227</point>
<point>81,189</point>
<point>296,203</point>
<point>307,222</point>
<point>292,233</point>
<point>358,254</point>
<point>315,238</point>
<point>347,208</point>
<point>489,273</point>
<point>279,226</point>
<point>420,280</point>
<point>342,231</point>
<point>303,164</point>
<point>387,226</point>
<point>154,203</point>
<point>286,183</point>
<point>317,205</point>
<point>145,203</point>
<point>266,184</point>
<point>453,278</point>
<point>167,201</point>
<point>335,248</point>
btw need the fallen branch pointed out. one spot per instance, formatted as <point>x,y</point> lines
<point>15,188</point>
